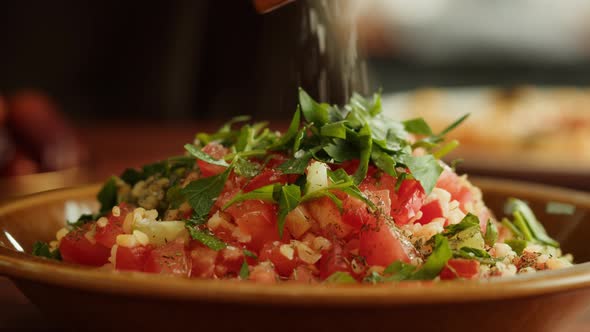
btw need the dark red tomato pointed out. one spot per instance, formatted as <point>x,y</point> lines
<point>216,151</point>
<point>460,268</point>
<point>257,219</point>
<point>333,260</point>
<point>282,263</point>
<point>131,259</point>
<point>171,258</point>
<point>229,261</point>
<point>430,211</point>
<point>203,262</point>
<point>276,160</point>
<point>350,167</point>
<point>76,248</point>
<point>380,245</point>
<point>266,177</point>
<point>107,235</point>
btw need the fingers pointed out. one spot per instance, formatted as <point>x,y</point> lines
<point>43,138</point>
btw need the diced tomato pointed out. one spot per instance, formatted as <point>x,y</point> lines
<point>303,274</point>
<point>275,160</point>
<point>229,262</point>
<point>460,268</point>
<point>283,264</point>
<point>216,151</point>
<point>203,262</point>
<point>380,245</point>
<point>266,177</point>
<point>333,260</point>
<point>355,213</point>
<point>430,211</point>
<point>107,235</point>
<point>263,273</point>
<point>405,202</point>
<point>326,213</point>
<point>131,259</point>
<point>257,219</point>
<point>171,258</point>
<point>451,182</point>
<point>76,248</point>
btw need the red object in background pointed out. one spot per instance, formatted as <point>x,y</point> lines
<point>265,6</point>
<point>34,136</point>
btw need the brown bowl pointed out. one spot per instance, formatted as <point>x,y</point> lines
<point>79,296</point>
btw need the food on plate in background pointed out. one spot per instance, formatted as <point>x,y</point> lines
<point>532,126</point>
<point>345,195</point>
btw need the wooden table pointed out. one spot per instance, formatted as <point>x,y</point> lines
<point>111,149</point>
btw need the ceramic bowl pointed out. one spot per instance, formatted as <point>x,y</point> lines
<point>85,297</point>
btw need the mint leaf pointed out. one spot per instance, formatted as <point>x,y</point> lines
<point>267,193</point>
<point>383,161</point>
<point>245,168</point>
<point>197,153</point>
<point>207,238</point>
<point>202,193</point>
<point>107,196</point>
<point>289,198</point>
<point>340,150</point>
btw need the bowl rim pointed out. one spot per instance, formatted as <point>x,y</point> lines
<point>18,265</point>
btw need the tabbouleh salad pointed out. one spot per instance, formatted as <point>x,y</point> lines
<point>345,195</point>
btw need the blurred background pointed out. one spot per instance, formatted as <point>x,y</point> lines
<point>91,87</point>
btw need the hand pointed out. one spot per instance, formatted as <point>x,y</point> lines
<point>34,136</point>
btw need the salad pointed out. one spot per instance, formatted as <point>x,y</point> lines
<point>344,195</point>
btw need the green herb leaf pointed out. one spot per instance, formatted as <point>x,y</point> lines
<point>244,271</point>
<point>398,271</point>
<point>250,254</point>
<point>365,146</point>
<point>291,133</point>
<point>517,245</point>
<point>175,196</point>
<point>202,193</point>
<point>131,176</point>
<point>518,207</point>
<point>340,278</point>
<point>207,238</point>
<point>197,153</point>
<point>83,219</point>
<point>340,150</point>
<point>107,196</point>
<point>436,261</point>
<point>267,193</point>
<point>425,169</point>
<point>335,129</point>
<point>383,161</point>
<point>474,253</point>
<point>41,249</point>
<point>417,126</point>
<point>454,125</point>
<point>298,165</point>
<point>468,221</point>
<point>313,111</point>
<point>289,198</point>
<point>245,168</point>
<point>491,235</point>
